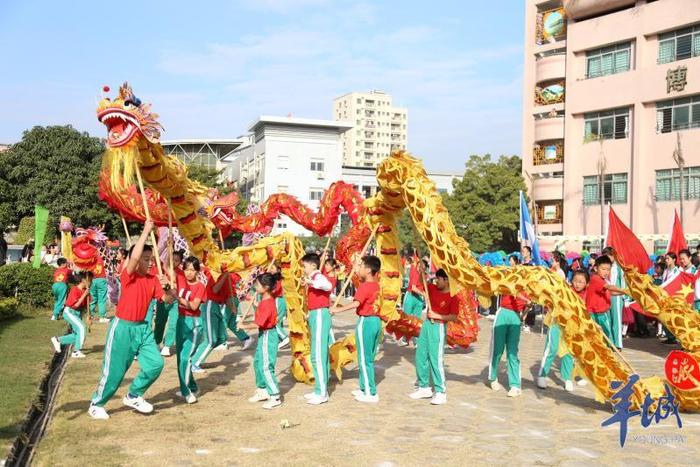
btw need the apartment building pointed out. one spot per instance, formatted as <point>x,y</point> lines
<point>611,116</point>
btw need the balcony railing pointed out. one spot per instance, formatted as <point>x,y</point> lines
<point>551,26</point>
<point>551,152</point>
<point>549,212</point>
<point>552,93</point>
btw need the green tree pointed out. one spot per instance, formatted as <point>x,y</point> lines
<point>484,204</point>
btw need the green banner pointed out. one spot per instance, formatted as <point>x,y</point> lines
<point>41,222</point>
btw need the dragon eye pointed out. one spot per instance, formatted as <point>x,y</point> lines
<point>128,104</point>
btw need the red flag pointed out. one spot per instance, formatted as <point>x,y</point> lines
<point>628,248</point>
<point>683,284</point>
<point>676,240</point>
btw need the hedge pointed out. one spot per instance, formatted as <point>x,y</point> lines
<point>30,286</point>
<point>8,308</point>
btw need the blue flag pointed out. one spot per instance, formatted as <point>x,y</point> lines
<point>527,231</point>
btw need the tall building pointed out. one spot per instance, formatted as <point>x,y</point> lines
<point>378,127</point>
<point>611,93</point>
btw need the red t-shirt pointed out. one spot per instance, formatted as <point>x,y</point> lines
<point>191,292</point>
<point>367,294</point>
<point>73,296</point>
<point>414,279</point>
<point>513,303</point>
<point>597,296</point>
<point>223,294</point>
<point>440,302</point>
<point>266,314</point>
<point>581,293</point>
<point>137,292</point>
<point>98,272</point>
<point>318,298</point>
<point>278,291</point>
<point>61,275</point>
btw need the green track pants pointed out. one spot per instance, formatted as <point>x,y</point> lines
<point>188,337</point>
<point>430,351</point>
<point>230,323</point>
<point>506,336</point>
<point>166,323</point>
<point>616,304</point>
<point>281,315</point>
<point>126,339</point>
<point>413,305</point>
<point>60,292</point>
<point>212,323</point>
<point>320,329</point>
<point>98,297</point>
<point>603,320</point>
<point>264,361</point>
<point>77,337</point>
<point>551,348</point>
<point>367,332</point>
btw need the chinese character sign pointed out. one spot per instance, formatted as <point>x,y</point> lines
<point>682,370</point>
<point>676,79</point>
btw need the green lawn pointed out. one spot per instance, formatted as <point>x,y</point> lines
<point>25,352</point>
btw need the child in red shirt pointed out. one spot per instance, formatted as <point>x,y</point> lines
<point>188,330</point>
<point>268,342</point>
<point>60,287</point>
<point>75,304</point>
<point>369,326</point>
<point>598,294</point>
<point>430,348</point>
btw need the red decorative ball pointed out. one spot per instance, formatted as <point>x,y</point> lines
<point>105,88</point>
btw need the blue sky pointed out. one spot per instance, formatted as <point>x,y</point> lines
<point>211,67</point>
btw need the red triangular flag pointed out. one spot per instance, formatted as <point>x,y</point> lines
<point>676,241</point>
<point>682,284</point>
<point>628,248</point>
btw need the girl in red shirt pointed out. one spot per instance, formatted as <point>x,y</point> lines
<point>191,294</point>
<point>75,303</point>
<point>268,341</point>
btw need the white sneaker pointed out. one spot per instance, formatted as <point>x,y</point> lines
<point>356,392</point>
<point>272,403</point>
<point>402,343</point>
<point>310,395</point>
<point>582,382</point>
<point>56,344</point>
<point>222,348</point>
<point>259,396</point>
<point>191,398</point>
<point>77,354</point>
<point>165,351</point>
<point>495,385</point>
<point>179,394</point>
<point>137,403</point>
<point>439,398</point>
<point>514,392</point>
<point>53,318</point>
<point>196,369</point>
<point>421,393</point>
<point>317,400</point>
<point>98,413</point>
<point>569,385</point>
<point>490,317</point>
<point>104,320</point>
<point>542,382</point>
<point>247,343</point>
<point>283,343</point>
<point>526,329</point>
<point>362,397</point>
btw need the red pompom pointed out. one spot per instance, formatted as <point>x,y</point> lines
<point>105,88</point>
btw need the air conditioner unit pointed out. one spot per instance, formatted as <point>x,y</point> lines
<point>320,175</point>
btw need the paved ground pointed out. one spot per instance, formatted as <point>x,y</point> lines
<point>476,427</point>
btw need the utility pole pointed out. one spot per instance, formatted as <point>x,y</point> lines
<point>680,162</point>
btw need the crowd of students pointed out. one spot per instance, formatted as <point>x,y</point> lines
<point>186,307</point>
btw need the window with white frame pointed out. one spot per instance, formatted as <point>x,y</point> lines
<point>610,124</point>
<point>315,194</point>
<point>668,184</point>
<point>317,166</point>
<point>608,60</point>
<point>678,114</point>
<point>614,189</point>
<point>282,189</point>
<point>679,45</point>
<point>283,162</point>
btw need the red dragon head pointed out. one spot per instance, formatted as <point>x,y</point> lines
<point>126,117</point>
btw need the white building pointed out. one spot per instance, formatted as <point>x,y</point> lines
<point>365,180</point>
<point>378,127</point>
